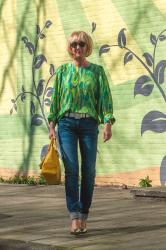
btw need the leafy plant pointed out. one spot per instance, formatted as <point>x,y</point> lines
<point>146,182</point>
<point>29,180</point>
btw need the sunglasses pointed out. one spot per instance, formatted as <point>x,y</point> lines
<point>74,44</point>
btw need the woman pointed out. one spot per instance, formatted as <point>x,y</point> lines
<point>81,100</point>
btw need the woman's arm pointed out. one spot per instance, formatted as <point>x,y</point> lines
<point>107,132</point>
<point>54,107</point>
<point>52,130</point>
<point>105,105</point>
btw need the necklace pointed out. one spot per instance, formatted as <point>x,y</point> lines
<point>76,75</point>
<point>75,78</point>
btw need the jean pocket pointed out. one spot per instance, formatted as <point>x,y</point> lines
<point>91,121</point>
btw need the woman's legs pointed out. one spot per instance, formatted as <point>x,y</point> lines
<point>88,136</point>
<point>68,140</point>
<point>85,130</point>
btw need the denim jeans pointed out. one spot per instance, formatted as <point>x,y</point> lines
<point>84,132</point>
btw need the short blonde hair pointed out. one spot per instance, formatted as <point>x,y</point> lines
<point>80,36</point>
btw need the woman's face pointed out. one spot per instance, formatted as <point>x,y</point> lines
<point>78,48</point>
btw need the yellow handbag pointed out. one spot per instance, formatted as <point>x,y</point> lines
<point>50,165</point>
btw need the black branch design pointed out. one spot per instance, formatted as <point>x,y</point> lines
<point>154,120</point>
<point>157,73</point>
<point>40,92</point>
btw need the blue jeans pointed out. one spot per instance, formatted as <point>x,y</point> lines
<point>84,131</point>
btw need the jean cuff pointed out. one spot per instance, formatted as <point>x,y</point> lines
<point>83,216</point>
<point>74,215</point>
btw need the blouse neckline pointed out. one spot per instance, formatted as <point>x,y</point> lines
<point>80,67</point>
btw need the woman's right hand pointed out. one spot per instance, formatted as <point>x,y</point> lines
<point>52,130</point>
<point>52,133</point>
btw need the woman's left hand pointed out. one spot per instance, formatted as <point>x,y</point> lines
<point>107,133</point>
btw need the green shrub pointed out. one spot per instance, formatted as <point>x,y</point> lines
<point>146,182</point>
<point>29,180</point>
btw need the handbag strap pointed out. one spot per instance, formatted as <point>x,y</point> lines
<point>53,143</point>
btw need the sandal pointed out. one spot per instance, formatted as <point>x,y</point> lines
<point>83,228</point>
<point>75,231</point>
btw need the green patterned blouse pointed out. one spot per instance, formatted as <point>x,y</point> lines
<point>81,90</point>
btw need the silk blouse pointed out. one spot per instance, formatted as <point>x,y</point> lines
<point>81,90</point>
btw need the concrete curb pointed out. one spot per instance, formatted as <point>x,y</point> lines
<point>150,192</point>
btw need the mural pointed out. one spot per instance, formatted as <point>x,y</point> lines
<point>135,67</point>
<point>40,91</point>
<point>154,120</point>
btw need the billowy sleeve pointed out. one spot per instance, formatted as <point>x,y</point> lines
<point>55,98</point>
<point>105,102</point>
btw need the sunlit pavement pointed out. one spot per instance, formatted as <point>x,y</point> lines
<point>35,217</point>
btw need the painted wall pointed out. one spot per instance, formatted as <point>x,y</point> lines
<point>130,42</point>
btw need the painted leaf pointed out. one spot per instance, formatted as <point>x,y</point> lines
<point>163,171</point>
<point>128,57</point>
<point>23,97</point>
<point>15,107</point>
<point>36,120</point>
<point>42,36</point>
<point>32,108</point>
<point>149,59</point>
<point>159,71</point>
<point>153,39</point>
<point>49,91</point>
<point>40,87</point>
<point>44,151</point>
<point>30,47</point>
<point>24,39</point>
<point>93,26</point>
<point>47,102</point>
<point>11,111</point>
<point>52,69</point>
<point>39,61</point>
<point>162,37</point>
<point>154,121</point>
<point>48,23</point>
<point>142,86</point>
<point>23,89</point>
<point>104,49</point>
<point>37,29</point>
<point>122,38</point>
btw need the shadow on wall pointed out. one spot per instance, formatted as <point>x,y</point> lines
<point>13,53</point>
<point>7,74</point>
<point>40,93</point>
<point>136,25</point>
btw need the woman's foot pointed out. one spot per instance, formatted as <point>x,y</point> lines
<point>82,226</point>
<point>75,227</point>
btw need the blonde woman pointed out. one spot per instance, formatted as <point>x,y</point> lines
<point>81,101</point>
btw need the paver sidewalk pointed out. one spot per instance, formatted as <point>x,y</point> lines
<point>35,217</point>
